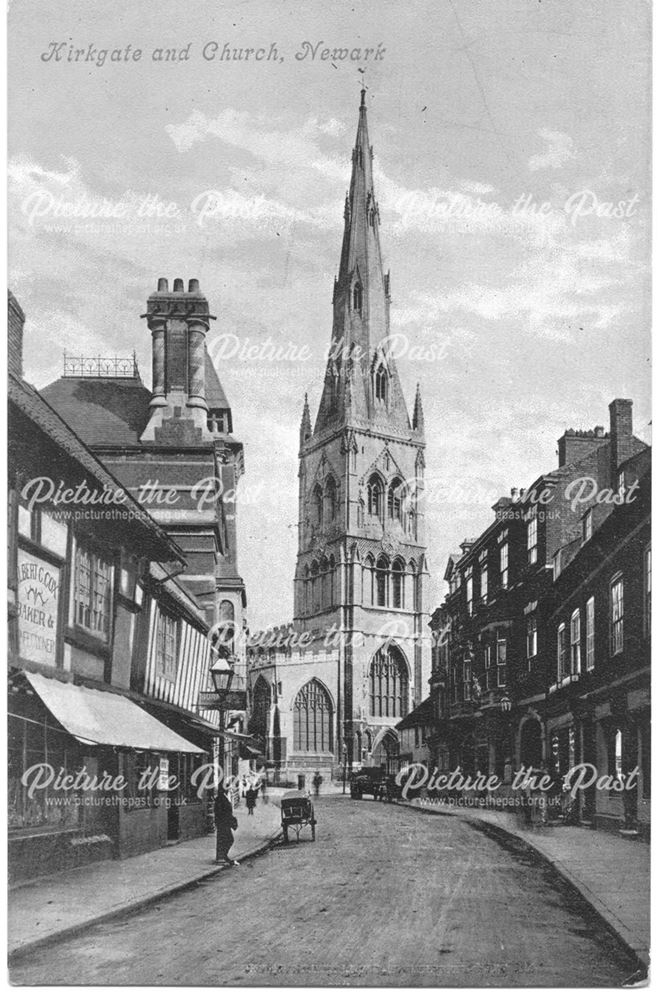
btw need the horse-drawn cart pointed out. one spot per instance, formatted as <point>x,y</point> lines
<point>296,811</point>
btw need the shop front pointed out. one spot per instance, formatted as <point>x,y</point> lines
<point>89,776</point>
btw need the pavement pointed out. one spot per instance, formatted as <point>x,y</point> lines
<point>58,906</point>
<point>382,897</point>
<point>610,872</point>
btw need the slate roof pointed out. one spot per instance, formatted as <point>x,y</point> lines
<point>31,403</point>
<point>115,411</point>
<point>102,411</point>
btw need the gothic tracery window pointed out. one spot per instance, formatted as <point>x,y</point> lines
<point>398,583</point>
<point>330,500</point>
<point>313,719</point>
<point>358,297</point>
<point>381,582</point>
<point>318,504</point>
<point>375,496</point>
<point>381,381</point>
<point>388,683</point>
<point>395,499</point>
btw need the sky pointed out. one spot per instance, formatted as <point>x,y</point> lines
<point>511,142</point>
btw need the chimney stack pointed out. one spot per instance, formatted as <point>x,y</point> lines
<point>179,322</point>
<point>620,432</point>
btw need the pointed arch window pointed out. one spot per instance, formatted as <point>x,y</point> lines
<point>318,504</point>
<point>398,583</point>
<point>313,719</point>
<point>388,683</point>
<point>375,496</point>
<point>357,298</point>
<point>260,716</point>
<point>381,384</point>
<point>368,580</point>
<point>387,754</point>
<point>381,582</point>
<point>329,500</point>
<point>395,500</point>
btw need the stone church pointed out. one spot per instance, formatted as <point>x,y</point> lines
<point>331,687</point>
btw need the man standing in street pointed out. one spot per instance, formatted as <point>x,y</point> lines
<point>226,822</point>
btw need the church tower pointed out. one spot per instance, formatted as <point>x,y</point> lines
<point>361,574</point>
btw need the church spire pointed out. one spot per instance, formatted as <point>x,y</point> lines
<point>360,346</point>
<point>361,298</point>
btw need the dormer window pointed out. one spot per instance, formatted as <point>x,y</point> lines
<point>358,297</point>
<point>381,380</point>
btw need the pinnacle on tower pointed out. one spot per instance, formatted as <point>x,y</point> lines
<point>418,420</point>
<point>305,430</point>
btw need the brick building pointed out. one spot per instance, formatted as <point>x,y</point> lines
<point>500,697</point>
<point>174,450</point>
<point>107,651</point>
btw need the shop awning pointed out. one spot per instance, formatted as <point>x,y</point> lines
<point>106,719</point>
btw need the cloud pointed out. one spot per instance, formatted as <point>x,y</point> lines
<point>560,149</point>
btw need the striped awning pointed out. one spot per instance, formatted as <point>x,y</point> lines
<point>104,718</point>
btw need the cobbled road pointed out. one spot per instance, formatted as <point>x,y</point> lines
<point>386,896</point>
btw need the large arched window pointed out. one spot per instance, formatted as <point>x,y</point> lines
<point>387,754</point>
<point>398,583</point>
<point>395,499</point>
<point>375,496</point>
<point>329,500</point>
<point>313,719</point>
<point>388,683</point>
<point>261,709</point>
<point>381,383</point>
<point>381,582</point>
<point>318,504</point>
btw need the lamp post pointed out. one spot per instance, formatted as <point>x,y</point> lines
<point>344,767</point>
<point>221,674</point>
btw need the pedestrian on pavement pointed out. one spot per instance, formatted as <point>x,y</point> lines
<point>251,800</point>
<point>226,822</point>
<point>317,783</point>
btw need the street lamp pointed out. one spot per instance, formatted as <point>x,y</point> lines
<point>344,767</point>
<point>221,674</point>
